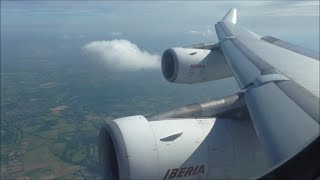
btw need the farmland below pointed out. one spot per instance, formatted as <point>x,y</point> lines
<point>52,109</point>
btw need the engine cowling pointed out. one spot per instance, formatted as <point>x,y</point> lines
<point>188,65</point>
<point>194,148</point>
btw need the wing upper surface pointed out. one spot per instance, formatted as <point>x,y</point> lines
<point>281,84</point>
<point>267,58</point>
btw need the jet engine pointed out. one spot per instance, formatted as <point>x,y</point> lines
<point>139,147</point>
<point>190,148</point>
<point>192,65</point>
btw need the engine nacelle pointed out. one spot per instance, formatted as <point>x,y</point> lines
<point>188,65</point>
<point>194,148</point>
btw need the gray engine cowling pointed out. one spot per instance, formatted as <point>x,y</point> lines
<point>190,148</point>
<point>188,65</point>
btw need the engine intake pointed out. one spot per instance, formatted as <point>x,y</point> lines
<point>169,65</point>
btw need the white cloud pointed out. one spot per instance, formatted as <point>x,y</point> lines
<point>121,55</point>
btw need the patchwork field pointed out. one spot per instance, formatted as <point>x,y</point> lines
<point>51,113</point>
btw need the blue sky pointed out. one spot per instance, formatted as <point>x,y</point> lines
<point>153,17</point>
<point>152,26</point>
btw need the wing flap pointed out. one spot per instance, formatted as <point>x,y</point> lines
<point>303,98</point>
<point>283,128</point>
<point>292,47</point>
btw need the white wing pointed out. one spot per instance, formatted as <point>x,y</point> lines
<point>281,84</point>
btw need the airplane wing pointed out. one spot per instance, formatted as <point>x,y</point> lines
<point>281,85</point>
<point>270,129</point>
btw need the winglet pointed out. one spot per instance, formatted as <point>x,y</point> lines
<point>231,16</point>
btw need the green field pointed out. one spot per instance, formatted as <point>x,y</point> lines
<point>52,110</point>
